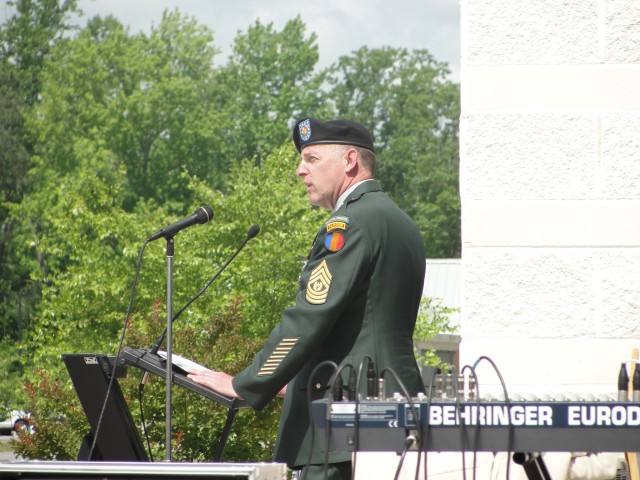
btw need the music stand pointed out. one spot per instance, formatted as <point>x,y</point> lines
<point>118,437</point>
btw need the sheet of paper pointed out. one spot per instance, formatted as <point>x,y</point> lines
<point>181,362</point>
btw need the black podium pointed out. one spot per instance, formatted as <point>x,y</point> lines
<point>118,438</point>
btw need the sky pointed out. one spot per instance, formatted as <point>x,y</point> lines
<point>341,26</point>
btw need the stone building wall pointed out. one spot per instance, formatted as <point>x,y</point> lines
<point>550,189</point>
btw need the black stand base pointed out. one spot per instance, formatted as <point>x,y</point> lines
<point>533,465</point>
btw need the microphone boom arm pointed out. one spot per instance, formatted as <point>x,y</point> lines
<point>253,231</point>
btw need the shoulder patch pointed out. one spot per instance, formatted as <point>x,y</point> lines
<point>319,283</point>
<point>334,241</point>
<point>338,222</point>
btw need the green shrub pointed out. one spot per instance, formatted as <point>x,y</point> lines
<point>433,318</point>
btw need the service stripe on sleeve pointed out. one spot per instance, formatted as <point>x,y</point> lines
<point>277,356</point>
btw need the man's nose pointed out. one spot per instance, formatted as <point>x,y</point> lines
<point>301,171</point>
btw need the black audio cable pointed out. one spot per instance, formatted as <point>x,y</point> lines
<point>372,380</point>
<point>412,406</point>
<point>356,419</point>
<point>117,359</point>
<point>338,387</point>
<point>143,423</point>
<point>337,394</point>
<point>352,392</point>
<point>461,425</point>
<point>425,431</point>
<point>337,390</point>
<point>474,444</point>
<point>508,405</point>
<point>310,413</point>
<point>408,442</point>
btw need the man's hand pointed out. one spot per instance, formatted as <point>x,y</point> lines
<point>218,381</point>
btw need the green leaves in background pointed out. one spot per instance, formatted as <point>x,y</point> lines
<point>109,136</point>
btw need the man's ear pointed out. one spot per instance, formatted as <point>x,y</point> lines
<point>351,166</point>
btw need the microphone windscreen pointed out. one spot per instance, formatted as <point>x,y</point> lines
<point>204,213</point>
<point>253,231</point>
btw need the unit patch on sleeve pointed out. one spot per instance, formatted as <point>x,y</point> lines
<point>334,241</point>
<point>319,283</point>
<point>277,356</point>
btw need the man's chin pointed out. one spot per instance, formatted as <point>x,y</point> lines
<point>319,202</point>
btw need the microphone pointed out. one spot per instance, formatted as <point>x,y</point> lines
<point>251,233</point>
<point>203,214</point>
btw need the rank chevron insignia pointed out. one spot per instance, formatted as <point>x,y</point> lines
<point>319,283</point>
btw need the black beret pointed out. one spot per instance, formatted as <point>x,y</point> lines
<point>310,131</point>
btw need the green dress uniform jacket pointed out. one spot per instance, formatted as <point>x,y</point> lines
<point>358,297</point>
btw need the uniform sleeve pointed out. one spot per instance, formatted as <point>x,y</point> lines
<point>336,270</point>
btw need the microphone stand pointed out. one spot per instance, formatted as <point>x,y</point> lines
<point>252,232</point>
<point>169,370</point>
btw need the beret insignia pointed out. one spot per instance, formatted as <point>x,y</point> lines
<point>319,283</point>
<point>311,131</point>
<point>334,241</point>
<point>277,356</point>
<point>305,130</point>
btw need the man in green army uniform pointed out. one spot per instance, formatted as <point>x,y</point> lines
<point>358,296</point>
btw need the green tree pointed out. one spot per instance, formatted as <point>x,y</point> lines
<point>268,82</point>
<point>14,158</point>
<point>141,97</point>
<point>14,163</point>
<point>31,30</point>
<point>85,298</point>
<point>130,132</point>
<point>412,108</point>
<point>139,114</point>
<point>11,369</point>
<point>28,36</point>
<point>159,105</point>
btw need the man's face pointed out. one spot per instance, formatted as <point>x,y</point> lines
<point>322,168</point>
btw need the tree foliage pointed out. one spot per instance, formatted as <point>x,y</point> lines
<point>26,39</point>
<point>109,136</point>
<point>402,95</point>
<point>84,312</point>
<point>268,82</point>
<point>28,36</point>
<point>14,164</point>
<point>406,100</point>
<point>141,98</point>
